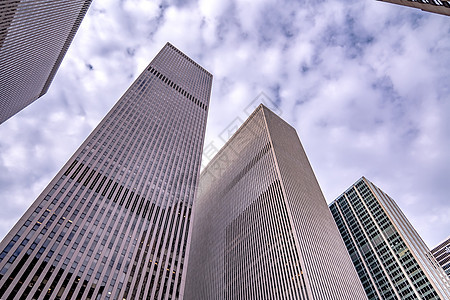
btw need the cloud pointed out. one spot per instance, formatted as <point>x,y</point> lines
<point>363,82</point>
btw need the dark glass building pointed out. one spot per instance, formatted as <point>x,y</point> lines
<point>34,37</point>
<point>114,222</point>
<point>262,228</point>
<point>391,259</point>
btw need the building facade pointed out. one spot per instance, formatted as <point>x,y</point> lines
<point>114,221</point>
<point>262,228</point>
<point>435,6</point>
<point>442,255</point>
<point>34,37</point>
<point>391,259</point>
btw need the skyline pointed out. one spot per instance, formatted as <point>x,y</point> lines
<point>362,82</point>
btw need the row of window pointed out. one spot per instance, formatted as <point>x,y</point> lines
<point>396,273</point>
<point>177,88</point>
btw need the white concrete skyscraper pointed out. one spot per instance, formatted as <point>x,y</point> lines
<point>262,228</point>
<point>114,222</point>
<point>34,37</point>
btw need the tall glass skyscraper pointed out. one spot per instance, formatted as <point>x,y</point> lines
<point>262,228</point>
<point>435,6</point>
<point>34,37</point>
<point>392,260</point>
<point>114,222</point>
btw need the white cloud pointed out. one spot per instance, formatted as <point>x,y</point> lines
<point>363,82</point>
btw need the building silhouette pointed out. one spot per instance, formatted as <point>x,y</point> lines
<point>442,254</point>
<point>262,228</point>
<point>435,6</point>
<point>392,260</point>
<point>114,221</point>
<point>34,37</point>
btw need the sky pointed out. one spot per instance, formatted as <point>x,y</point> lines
<point>365,84</point>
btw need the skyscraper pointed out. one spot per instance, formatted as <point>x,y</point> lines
<point>435,6</point>
<point>262,228</point>
<point>34,37</point>
<point>392,260</point>
<point>442,254</point>
<point>114,221</point>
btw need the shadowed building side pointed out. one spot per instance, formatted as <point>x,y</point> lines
<point>326,264</point>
